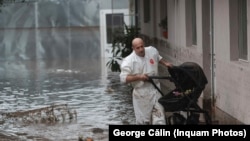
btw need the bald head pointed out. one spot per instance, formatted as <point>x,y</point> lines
<point>137,41</point>
<point>138,47</point>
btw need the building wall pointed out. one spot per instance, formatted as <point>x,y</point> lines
<point>147,27</point>
<point>115,4</point>
<point>231,81</point>
<point>174,48</point>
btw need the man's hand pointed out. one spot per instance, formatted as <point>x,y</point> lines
<point>165,63</point>
<point>169,65</point>
<point>143,77</point>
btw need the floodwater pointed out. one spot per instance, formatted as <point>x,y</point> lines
<point>97,99</point>
<point>71,74</point>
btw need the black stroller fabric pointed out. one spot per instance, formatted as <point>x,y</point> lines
<point>188,72</point>
<point>190,81</point>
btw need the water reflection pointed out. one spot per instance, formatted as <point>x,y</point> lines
<point>97,102</point>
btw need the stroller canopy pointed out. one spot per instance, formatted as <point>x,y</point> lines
<point>188,75</point>
<point>190,81</point>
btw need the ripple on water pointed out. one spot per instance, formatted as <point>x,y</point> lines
<point>96,107</point>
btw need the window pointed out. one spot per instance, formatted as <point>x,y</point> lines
<point>115,24</point>
<point>238,30</point>
<point>194,26</point>
<point>242,15</point>
<point>164,8</point>
<point>191,22</point>
<point>164,18</point>
<point>146,8</point>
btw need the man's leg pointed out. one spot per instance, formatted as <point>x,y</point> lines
<point>158,115</point>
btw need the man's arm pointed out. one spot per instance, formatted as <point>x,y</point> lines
<point>126,76</point>
<point>165,63</point>
<point>137,77</point>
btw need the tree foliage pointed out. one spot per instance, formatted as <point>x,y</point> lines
<point>122,46</point>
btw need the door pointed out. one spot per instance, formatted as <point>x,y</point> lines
<point>110,21</point>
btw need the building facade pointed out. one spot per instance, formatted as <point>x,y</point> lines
<point>213,34</point>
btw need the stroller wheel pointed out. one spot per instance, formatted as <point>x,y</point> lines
<point>193,118</point>
<point>176,119</point>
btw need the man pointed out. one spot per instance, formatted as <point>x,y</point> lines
<point>135,69</point>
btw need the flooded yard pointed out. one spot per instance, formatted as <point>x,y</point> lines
<point>50,54</point>
<point>98,101</point>
<point>63,66</point>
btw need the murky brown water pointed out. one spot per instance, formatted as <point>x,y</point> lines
<point>98,101</point>
<point>59,66</point>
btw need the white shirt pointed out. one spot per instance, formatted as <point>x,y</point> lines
<point>145,95</point>
<point>134,64</point>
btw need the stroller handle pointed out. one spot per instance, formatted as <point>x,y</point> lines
<point>160,77</point>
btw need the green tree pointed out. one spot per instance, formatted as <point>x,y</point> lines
<point>122,45</point>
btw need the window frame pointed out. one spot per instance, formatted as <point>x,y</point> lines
<point>191,23</point>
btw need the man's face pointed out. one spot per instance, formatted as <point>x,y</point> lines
<point>139,49</point>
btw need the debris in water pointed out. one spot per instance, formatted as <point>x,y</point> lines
<point>109,90</point>
<point>50,114</point>
<point>86,139</point>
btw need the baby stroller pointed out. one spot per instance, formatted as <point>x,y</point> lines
<point>190,81</point>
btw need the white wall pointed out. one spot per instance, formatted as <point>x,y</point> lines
<point>174,49</point>
<point>232,81</point>
<point>232,77</point>
<point>180,52</point>
<point>146,28</point>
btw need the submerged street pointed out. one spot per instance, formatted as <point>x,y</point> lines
<point>97,102</point>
